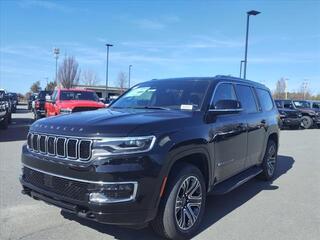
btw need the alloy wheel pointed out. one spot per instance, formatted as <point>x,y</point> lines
<point>271,162</point>
<point>188,203</point>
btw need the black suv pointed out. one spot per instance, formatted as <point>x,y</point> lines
<point>5,109</point>
<point>310,117</point>
<point>39,104</point>
<point>156,153</point>
<point>289,117</point>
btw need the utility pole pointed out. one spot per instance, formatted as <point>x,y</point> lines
<point>107,68</point>
<point>129,74</point>
<point>250,13</point>
<point>56,52</point>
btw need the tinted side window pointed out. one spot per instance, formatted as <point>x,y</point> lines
<point>316,105</point>
<point>265,99</point>
<point>278,103</point>
<point>246,98</point>
<point>224,91</point>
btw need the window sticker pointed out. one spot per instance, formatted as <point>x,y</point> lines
<point>137,92</point>
<point>186,107</point>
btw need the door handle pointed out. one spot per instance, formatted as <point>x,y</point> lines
<point>263,121</point>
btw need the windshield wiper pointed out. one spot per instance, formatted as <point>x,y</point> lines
<point>152,107</point>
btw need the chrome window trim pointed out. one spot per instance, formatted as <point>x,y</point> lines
<point>135,183</point>
<point>76,148</point>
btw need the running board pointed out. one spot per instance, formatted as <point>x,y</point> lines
<point>236,181</point>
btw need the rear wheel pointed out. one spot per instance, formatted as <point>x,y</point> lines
<point>307,122</point>
<point>4,123</point>
<point>269,163</point>
<point>182,207</point>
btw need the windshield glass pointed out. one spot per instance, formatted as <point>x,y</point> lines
<point>42,95</point>
<point>301,104</point>
<point>167,94</point>
<point>78,95</point>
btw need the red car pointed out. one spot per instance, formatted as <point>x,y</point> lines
<point>65,101</point>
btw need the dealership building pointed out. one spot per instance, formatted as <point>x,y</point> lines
<point>101,90</point>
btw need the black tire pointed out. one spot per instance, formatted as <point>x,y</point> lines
<point>307,122</point>
<point>269,164</point>
<point>166,222</point>
<point>4,123</point>
<point>36,116</point>
<point>10,118</point>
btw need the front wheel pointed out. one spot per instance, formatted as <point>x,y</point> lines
<point>182,207</point>
<point>307,122</point>
<point>269,163</point>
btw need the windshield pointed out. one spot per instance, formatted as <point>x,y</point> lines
<point>42,95</point>
<point>301,104</point>
<point>166,94</point>
<point>78,95</point>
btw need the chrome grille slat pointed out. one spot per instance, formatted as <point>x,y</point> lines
<point>68,148</point>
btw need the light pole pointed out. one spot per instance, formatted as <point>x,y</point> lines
<point>56,52</point>
<point>250,13</point>
<point>107,68</point>
<point>130,66</point>
<point>241,62</point>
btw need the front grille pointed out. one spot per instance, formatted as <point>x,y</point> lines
<point>62,147</point>
<point>67,188</point>
<point>81,109</point>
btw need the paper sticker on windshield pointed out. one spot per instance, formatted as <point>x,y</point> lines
<point>136,92</point>
<point>186,107</point>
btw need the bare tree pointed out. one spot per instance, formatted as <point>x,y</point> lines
<point>35,87</point>
<point>122,81</point>
<point>280,90</point>
<point>69,72</point>
<point>89,78</point>
<point>51,86</point>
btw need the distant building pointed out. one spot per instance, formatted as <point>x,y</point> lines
<point>101,90</point>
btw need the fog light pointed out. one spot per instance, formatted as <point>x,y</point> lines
<point>114,192</point>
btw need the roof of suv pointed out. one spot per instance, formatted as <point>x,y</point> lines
<point>216,78</point>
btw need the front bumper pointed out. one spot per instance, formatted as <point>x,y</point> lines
<point>316,119</point>
<point>57,184</point>
<point>291,121</point>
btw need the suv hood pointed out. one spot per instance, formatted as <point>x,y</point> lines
<point>112,123</point>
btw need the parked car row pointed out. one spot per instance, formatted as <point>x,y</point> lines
<point>296,113</point>
<point>63,101</point>
<point>7,106</point>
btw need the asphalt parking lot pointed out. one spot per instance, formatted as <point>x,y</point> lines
<point>287,208</point>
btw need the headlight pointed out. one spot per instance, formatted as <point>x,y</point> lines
<point>122,145</point>
<point>65,110</point>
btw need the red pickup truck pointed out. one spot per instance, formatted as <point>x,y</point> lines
<point>65,101</point>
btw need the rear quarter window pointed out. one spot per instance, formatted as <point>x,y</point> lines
<point>265,99</point>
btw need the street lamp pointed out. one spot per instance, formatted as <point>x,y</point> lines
<point>107,67</point>
<point>250,13</point>
<point>56,52</point>
<point>241,62</point>
<point>130,66</point>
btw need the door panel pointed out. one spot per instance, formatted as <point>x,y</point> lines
<point>230,145</point>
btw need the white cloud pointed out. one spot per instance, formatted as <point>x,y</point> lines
<point>149,24</point>
<point>44,4</point>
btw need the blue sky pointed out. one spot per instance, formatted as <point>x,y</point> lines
<point>160,39</point>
